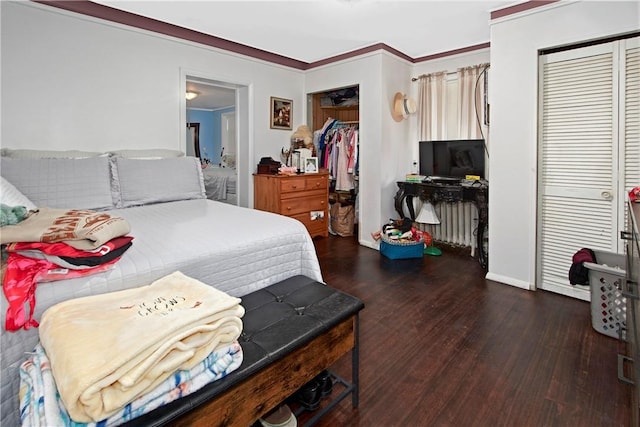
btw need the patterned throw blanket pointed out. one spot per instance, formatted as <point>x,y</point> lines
<point>40,404</point>
<point>107,350</point>
<point>78,228</point>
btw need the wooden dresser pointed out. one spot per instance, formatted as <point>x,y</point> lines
<point>304,197</point>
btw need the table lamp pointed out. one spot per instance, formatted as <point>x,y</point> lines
<point>427,215</point>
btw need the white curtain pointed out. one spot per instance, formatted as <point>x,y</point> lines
<point>432,106</point>
<point>471,93</point>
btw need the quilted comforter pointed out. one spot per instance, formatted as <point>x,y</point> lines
<point>236,250</point>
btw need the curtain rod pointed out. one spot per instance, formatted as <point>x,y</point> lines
<point>413,79</point>
<point>449,73</point>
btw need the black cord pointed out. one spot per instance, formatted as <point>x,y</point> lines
<point>475,107</point>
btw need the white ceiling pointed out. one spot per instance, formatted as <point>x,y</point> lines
<point>313,30</point>
<point>210,96</point>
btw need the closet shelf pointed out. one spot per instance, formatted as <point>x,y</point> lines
<point>337,107</point>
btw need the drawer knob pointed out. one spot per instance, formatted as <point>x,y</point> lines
<point>294,186</point>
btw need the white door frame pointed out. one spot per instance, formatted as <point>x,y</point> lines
<point>244,125</point>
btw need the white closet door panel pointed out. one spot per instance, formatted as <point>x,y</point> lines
<point>577,161</point>
<point>630,125</point>
<point>632,114</point>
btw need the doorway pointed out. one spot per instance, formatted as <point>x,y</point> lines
<point>218,105</point>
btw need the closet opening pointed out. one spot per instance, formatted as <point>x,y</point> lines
<point>334,115</point>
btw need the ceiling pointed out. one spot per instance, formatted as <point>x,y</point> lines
<point>313,30</point>
<point>210,96</point>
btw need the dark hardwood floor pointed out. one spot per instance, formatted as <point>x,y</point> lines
<point>442,346</point>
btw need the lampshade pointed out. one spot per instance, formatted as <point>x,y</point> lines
<point>427,214</point>
<point>191,95</point>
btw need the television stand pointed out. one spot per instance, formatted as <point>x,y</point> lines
<point>437,192</point>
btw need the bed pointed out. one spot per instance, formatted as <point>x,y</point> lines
<point>220,183</point>
<point>175,228</point>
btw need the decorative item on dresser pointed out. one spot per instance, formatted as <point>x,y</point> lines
<point>304,197</point>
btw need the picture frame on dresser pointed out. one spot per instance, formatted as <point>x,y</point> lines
<point>281,113</point>
<point>311,165</point>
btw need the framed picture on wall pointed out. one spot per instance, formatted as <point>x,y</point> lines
<point>281,113</point>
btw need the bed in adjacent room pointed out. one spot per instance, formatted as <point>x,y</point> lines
<point>220,183</point>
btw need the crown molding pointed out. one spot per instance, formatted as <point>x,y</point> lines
<point>521,7</point>
<point>107,13</point>
<point>96,10</point>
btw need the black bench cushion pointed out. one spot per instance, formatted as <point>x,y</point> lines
<point>278,319</point>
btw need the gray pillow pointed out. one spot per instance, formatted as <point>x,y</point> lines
<point>142,182</point>
<point>24,153</point>
<point>154,153</point>
<point>61,183</point>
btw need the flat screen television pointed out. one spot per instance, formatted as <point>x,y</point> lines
<point>453,158</point>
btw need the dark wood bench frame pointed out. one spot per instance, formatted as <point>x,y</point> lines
<point>293,330</point>
<point>247,401</point>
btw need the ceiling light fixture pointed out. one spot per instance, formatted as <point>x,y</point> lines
<point>191,95</point>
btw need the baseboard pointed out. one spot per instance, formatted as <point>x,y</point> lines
<point>510,281</point>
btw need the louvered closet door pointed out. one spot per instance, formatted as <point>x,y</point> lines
<point>630,129</point>
<point>578,161</point>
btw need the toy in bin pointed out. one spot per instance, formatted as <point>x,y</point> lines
<point>400,240</point>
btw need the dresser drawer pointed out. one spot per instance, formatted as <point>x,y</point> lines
<point>319,226</point>
<point>316,183</point>
<point>292,184</point>
<point>303,183</point>
<point>303,205</point>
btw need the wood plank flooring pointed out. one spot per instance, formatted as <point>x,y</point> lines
<point>442,346</point>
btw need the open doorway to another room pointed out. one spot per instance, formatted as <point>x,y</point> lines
<point>211,111</point>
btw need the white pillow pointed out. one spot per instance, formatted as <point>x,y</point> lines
<point>23,153</point>
<point>11,196</point>
<point>228,161</point>
<point>151,154</point>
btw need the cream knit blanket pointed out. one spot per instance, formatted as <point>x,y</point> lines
<point>105,350</point>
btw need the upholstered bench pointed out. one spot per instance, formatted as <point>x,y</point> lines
<point>292,331</point>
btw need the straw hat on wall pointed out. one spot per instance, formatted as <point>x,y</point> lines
<point>403,106</point>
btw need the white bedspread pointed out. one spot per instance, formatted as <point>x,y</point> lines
<point>219,183</point>
<point>237,250</point>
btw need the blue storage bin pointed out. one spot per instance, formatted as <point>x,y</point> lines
<point>400,250</point>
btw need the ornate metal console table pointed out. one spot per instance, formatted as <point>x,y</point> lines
<point>476,193</point>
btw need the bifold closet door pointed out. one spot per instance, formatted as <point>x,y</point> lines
<point>588,154</point>
<point>577,161</point>
<point>630,126</point>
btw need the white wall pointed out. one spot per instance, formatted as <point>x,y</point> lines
<point>398,144</point>
<point>74,82</point>
<point>515,42</point>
